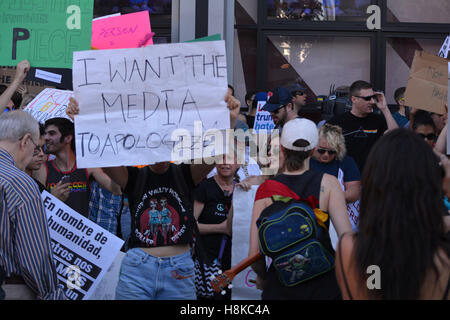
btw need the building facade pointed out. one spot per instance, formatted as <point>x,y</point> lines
<point>318,43</point>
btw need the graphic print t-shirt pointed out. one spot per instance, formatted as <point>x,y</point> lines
<point>216,209</point>
<point>79,194</point>
<point>360,134</point>
<point>161,206</point>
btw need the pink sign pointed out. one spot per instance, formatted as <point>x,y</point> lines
<point>131,30</point>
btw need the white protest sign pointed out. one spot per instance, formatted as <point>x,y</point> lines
<point>50,103</point>
<point>82,250</point>
<point>243,201</point>
<point>263,119</point>
<point>445,49</point>
<point>106,289</point>
<point>131,101</point>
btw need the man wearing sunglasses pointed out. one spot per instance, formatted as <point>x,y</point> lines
<point>298,97</point>
<point>361,126</point>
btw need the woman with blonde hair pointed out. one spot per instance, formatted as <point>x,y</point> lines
<point>330,157</point>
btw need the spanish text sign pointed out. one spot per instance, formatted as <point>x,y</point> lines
<point>82,250</point>
<point>132,100</point>
<point>45,32</point>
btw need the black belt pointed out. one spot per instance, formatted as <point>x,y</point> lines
<point>14,280</point>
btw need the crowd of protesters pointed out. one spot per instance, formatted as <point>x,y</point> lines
<point>380,181</point>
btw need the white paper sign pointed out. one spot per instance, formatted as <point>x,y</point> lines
<point>49,76</point>
<point>263,119</point>
<point>82,250</point>
<point>445,49</point>
<point>131,100</point>
<point>243,201</point>
<point>50,103</point>
<point>106,289</point>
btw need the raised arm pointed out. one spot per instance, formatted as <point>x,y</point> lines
<point>105,181</point>
<point>119,175</point>
<point>21,72</point>
<point>382,105</point>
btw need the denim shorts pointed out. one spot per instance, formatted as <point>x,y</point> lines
<point>145,277</point>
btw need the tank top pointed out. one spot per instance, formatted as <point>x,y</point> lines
<point>78,198</point>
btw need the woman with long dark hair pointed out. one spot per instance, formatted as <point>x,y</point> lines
<point>401,250</point>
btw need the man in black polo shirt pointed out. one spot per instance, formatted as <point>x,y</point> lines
<point>361,127</point>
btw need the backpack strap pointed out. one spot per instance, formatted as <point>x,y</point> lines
<point>342,267</point>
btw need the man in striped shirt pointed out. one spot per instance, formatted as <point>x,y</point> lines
<point>25,251</point>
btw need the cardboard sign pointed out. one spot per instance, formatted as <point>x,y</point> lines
<point>82,250</point>
<point>131,30</point>
<point>427,87</point>
<point>133,100</point>
<point>50,103</point>
<point>263,119</point>
<point>33,86</point>
<point>45,32</point>
<point>445,49</point>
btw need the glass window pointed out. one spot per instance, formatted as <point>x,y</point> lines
<point>154,7</point>
<point>399,58</point>
<point>160,12</point>
<point>317,10</point>
<point>317,62</point>
<point>419,11</point>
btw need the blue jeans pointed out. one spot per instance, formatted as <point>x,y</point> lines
<point>145,277</point>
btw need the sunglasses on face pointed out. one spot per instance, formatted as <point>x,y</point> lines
<point>374,97</point>
<point>299,93</point>
<point>430,136</point>
<point>330,152</point>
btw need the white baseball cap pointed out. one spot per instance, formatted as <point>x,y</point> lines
<point>297,129</point>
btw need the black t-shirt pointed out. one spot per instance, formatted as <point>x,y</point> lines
<point>80,191</point>
<point>161,206</point>
<point>40,185</point>
<point>360,134</point>
<point>217,206</point>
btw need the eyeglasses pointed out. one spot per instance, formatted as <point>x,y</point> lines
<point>368,98</point>
<point>299,93</point>
<point>330,152</point>
<point>37,149</point>
<point>430,136</point>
